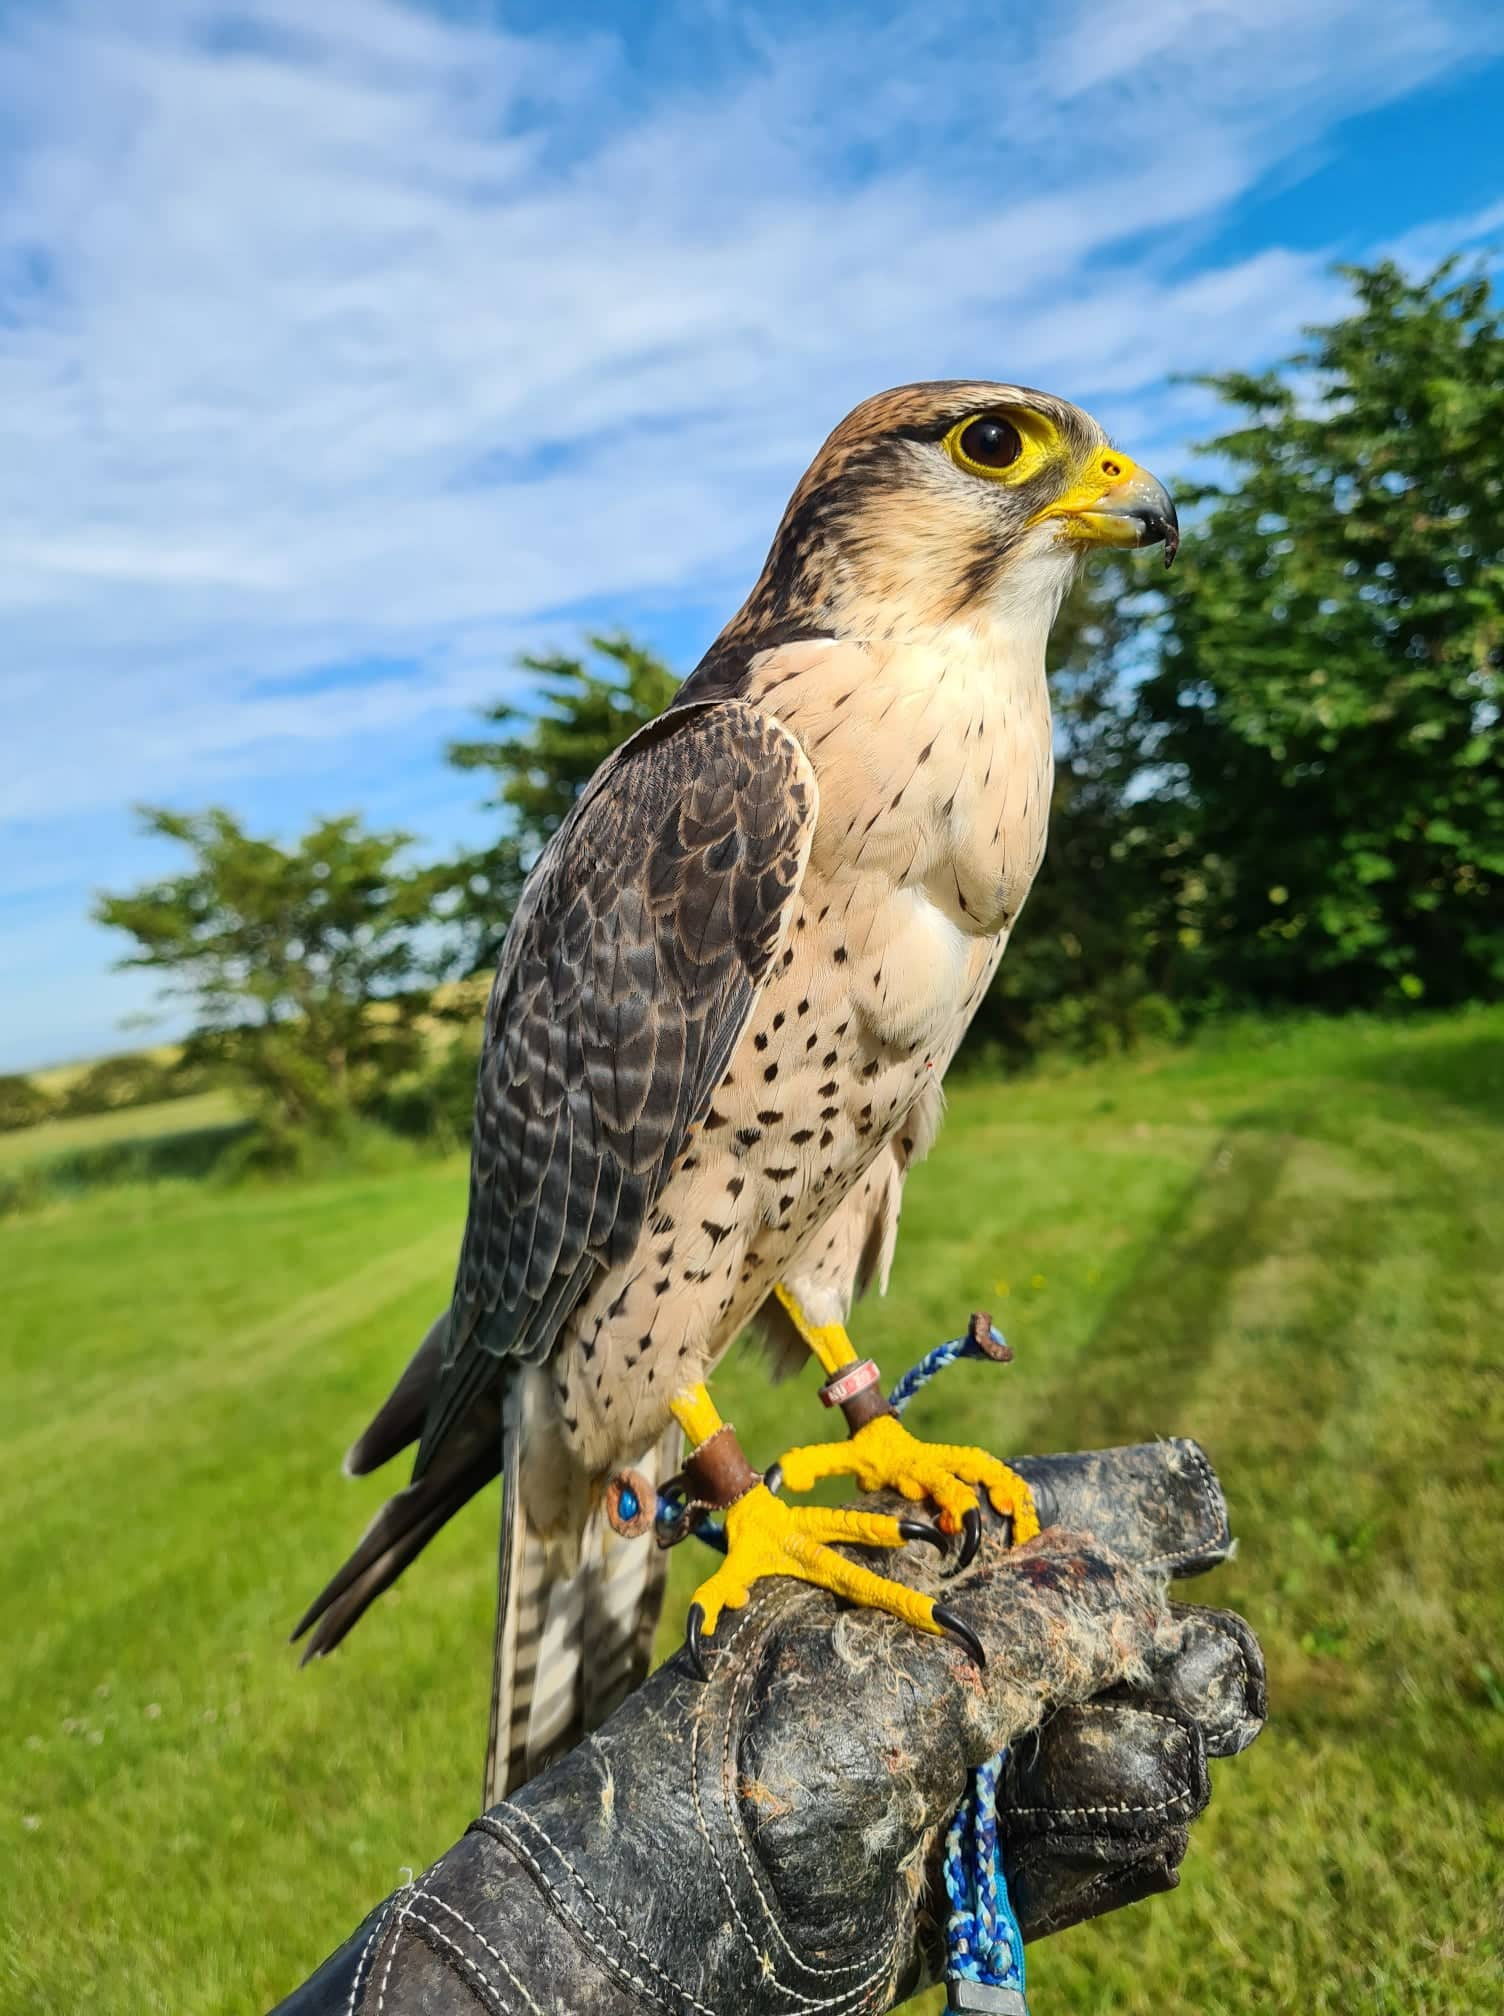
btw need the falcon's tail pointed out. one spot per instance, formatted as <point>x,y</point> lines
<point>570,1646</point>
<point>574,1628</point>
<point>407,1522</point>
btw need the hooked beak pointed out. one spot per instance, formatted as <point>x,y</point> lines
<point>1115,503</point>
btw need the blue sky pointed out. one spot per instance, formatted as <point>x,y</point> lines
<point>341,362</point>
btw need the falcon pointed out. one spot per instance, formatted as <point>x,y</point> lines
<point>715,1047</point>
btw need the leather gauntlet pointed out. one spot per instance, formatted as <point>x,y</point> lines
<point>767,1842</point>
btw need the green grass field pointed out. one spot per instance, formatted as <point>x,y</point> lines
<point>1288,1245</point>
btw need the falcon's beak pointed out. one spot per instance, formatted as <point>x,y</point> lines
<point>1115,503</point>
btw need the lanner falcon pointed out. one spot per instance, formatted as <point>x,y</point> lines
<point>715,1047</point>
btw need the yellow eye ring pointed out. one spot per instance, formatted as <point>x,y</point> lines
<point>989,442</point>
<point>1018,439</point>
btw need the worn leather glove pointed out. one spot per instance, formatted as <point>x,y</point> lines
<point>769,1840</point>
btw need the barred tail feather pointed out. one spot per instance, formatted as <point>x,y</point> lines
<point>520,1586</point>
<point>569,1647</point>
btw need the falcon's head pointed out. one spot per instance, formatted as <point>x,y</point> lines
<point>932,502</point>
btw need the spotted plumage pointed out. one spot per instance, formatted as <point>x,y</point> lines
<point>728,999</point>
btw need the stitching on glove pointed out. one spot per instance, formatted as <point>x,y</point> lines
<point>386,1972</point>
<point>489,1824</point>
<point>366,1952</point>
<point>1092,1812</point>
<point>857,1992</point>
<point>1176,1722</point>
<point>1211,1500</point>
<point>745,1676</point>
<point>493,1999</point>
<point>427,1897</point>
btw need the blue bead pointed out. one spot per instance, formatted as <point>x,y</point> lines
<point>626,1505</point>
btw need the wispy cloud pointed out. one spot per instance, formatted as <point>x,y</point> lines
<point>359,331</point>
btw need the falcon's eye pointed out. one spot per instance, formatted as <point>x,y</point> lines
<point>1010,445</point>
<point>990,443</point>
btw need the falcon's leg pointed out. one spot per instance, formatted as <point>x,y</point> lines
<point>882,1453</point>
<point>766,1537</point>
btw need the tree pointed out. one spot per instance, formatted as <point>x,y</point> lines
<point>23,1103</point>
<point>543,763</point>
<point>1328,695</point>
<point>135,1078</point>
<point>1091,959</point>
<point>306,967</point>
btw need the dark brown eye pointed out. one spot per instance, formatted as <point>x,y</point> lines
<point>991,442</point>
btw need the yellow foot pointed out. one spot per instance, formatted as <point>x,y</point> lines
<point>766,1537</point>
<point>883,1454</point>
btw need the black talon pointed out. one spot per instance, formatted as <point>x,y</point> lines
<point>772,1478</point>
<point>921,1529</point>
<point>949,1621</point>
<point>694,1625</point>
<point>971,1537</point>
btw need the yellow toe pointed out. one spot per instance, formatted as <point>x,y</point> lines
<point>883,1455</point>
<point>766,1537</point>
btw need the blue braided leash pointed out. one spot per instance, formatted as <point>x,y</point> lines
<point>984,1949</point>
<point>955,1348</point>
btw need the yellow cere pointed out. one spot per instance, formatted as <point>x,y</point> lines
<point>1108,469</point>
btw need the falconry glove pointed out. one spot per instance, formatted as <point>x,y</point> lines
<point>768,1840</point>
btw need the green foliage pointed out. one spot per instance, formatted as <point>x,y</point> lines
<point>66,1136</point>
<point>193,1155</point>
<point>1330,811</point>
<point>437,1102</point>
<point>23,1103</point>
<point>539,767</point>
<point>1084,972</point>
<point>345,1143</point>
<point>1277,776</point>
<point>306,968</point>
<point>131,1079</point>
<point>178,1140</point>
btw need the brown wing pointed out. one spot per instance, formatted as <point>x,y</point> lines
<point>626,979</point>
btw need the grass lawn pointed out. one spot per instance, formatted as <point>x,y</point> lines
<point>1288,1245</point>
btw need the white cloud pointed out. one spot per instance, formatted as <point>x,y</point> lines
<point>356,330</point>
<point>1424,248</point>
